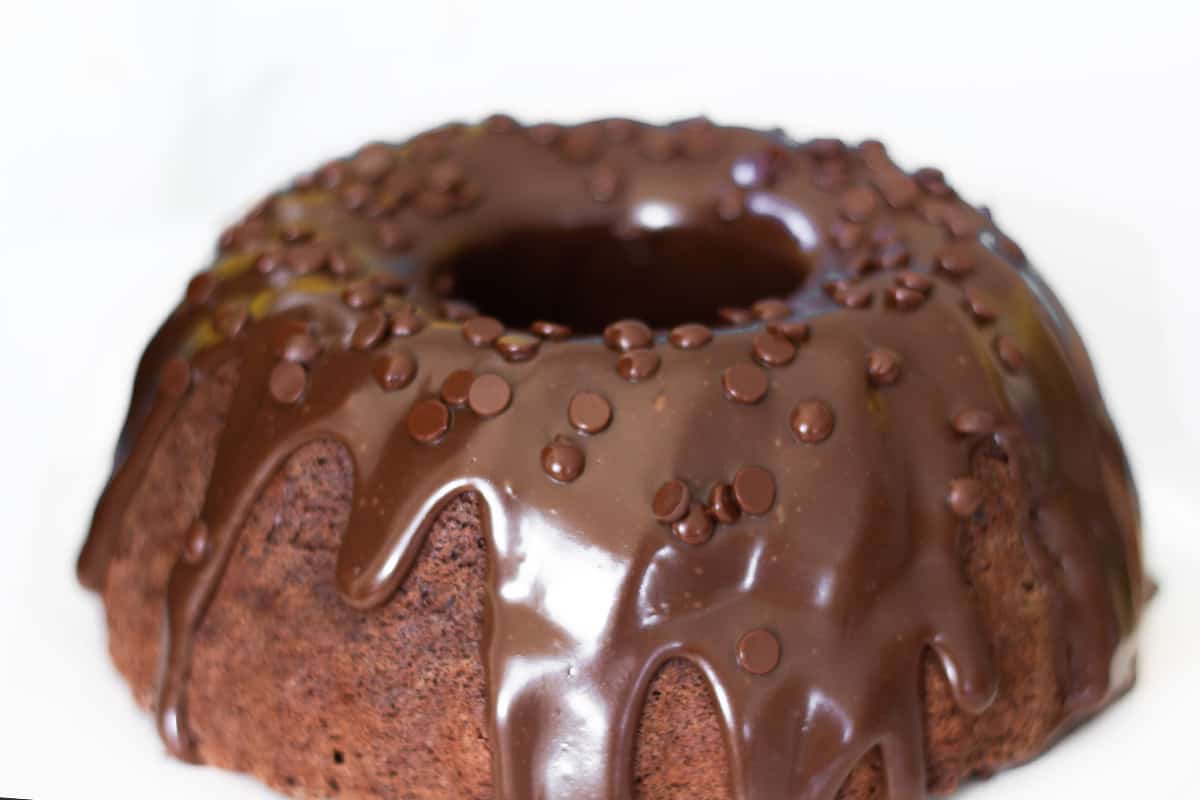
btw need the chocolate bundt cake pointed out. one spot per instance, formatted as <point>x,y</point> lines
<point>612,461</point>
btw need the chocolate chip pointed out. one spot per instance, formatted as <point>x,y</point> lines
<point>603,183</point>
<point>406,321</point>
<point>353,196</point>
<point>956,258</point>
<point>964,496</point>
<point>344,264</point>
<point>300,347</point>
<point>722,505</point>
<point>288,382</point>
<point>973,421</point>
<point>619,130</point>
<point>731,203</point>
<point>772,350</point>
<point>195,543</point>
<point>637,365</point>
<point>671,501</point>
<point>444,176</point>
<point>827,148</point>
<point>883,366</point>
<point>489,395</point>
<point>978,306</point>
<point>393,237</point>
<point>516,347</point>
<point>200,289</point>
<point>1010,355</point>
<point>812,421</point>
<point>771,309</point>
<point>695,528</point>
<point>735,316</point>
<point>562,460</point>
<point>457,387</point>
<point>550,330</point>
<point>331,175</point>
<point>501,123</point>
<point>434,205</point>
<point>793,331</point>
<point>690,336</point>
<point>745,383</point>
<point>363,294</point>
<point>269,260</point>
<point>854,297</point>
<point>758,652</point>
<point>759,170</point>
<point>545,133</point>
<point>933,181</point>
<point>175,378</point>
<point>904,299</point>
<point>369,331</point>
<point>394,370</point>
<point>846,235</point>
<point>699,139</point>
<point>458,310</point>
<point>305,259</point>
<point>230,317</point>
<point>754,489</point>
<point>428,421</point>
<point>858,203</point>
<point>582,144</point>
<point>893,255</point>
<point>372,161</point>
<point>482,331</point>
<point>659,144</point>
<point>914,281</point>
<point>628,334</point>
<point>589,412</point>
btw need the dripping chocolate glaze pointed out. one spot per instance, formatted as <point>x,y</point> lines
<point>809,608</point>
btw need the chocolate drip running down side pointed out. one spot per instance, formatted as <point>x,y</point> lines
<point>765,471</point>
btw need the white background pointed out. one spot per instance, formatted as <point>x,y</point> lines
<point>131,132</point>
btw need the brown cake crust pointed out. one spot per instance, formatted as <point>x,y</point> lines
<point>319,699</point>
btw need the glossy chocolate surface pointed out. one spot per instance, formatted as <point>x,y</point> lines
<point>717,391</point>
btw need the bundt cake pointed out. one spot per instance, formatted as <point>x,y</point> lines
<point>612,460</point>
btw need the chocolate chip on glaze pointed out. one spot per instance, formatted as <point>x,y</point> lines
<point>582,144</point>
<point>363,294</point>
<point>846,235</point>
<point>230,317</point>
<point>745,383</point>
<point>299,346</point>
<point>445,176</point>
<point>699,139</point>
<point>619,131</point>
<point>671,501</point>
<point>589,412</point>
<point>695,528</point>
<point>812,421</point>
<point>957,259</point>
<point>393,236</point>
<point>659,144</point>
<point>562,460</point>
<point>489,395</point>
<point>516,347</point>
<point>731,203</point>
<point>195,543</point>
<point>428,421</point>
<point>773,350</point>
<point>883,366</point>
<point>550,330</point>
<point>933,181</point>
<point>1009,353</point>
<point>458,310</point>
<point>603,183</point>
<point>857,297</point>
<point>457,386</point>
<point>754,489</point>
<point>372,161</point>
<point>501,124</point>
<point>771,309</point>
<point>200,289</point>
<point>978,305</point>
<point>964,496</point>
<point>270,260</point>
<point>175,378</point>
<point>914,281</point>
<point>344,264</point>
<point>545,133</point>
<point>370,330</point>
<point>735,316</point>
<point>288,382</point>
<point>405,320</point>
<point>973,421</point>
<point>893,255</point>
<point>722,504</point>
<point>858,203</point>
<point>904,299</point>
<point>793,331</point>
<point>759,170</point>
<point>758,651</point>
<point>628,334</point>
<point>394,370</point>
<point>637,365</point>
<point>482,331</point>
<point>690,336</point>
<point>306,258</point>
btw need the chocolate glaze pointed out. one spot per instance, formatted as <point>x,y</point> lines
<point>840,414</point>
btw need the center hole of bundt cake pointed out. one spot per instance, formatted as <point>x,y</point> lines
<point>588,277</point>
